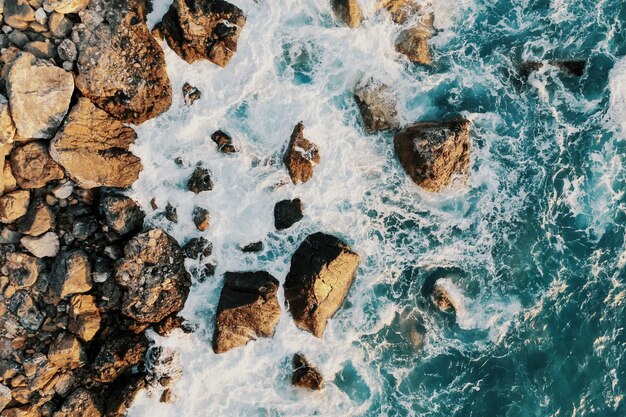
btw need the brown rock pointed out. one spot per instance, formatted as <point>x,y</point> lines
<point>200,180</point>
<point>301,156</point>
<point>305,375</point>
<point>80,403</point>
<point>223,141</point>
<point>191,94</point>
<point>378,106</point>
<point>349,11</point>
<point>13,205</point>
<point>201,218</point>
<point>322,271</point>
<point>66,352</point>
<point>7,127</point>
<point>248,309</point>
<point>38,220</point>
<point>84,317</point>
<point>93,148</point>
<point>202,29</point>
<point>71,274</point>
<point>413,42</point>
<point>402,10</point>
<point>122,214</point>
<point>119,352</point>
<point>18,14</point>
<point>7,180</point>
<point>23,269</point>
<point>432,153</point>
<point>33,167</point>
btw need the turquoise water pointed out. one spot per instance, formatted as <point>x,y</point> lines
<point>534,242</point>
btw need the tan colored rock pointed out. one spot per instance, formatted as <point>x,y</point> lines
<point>44,246</point>
<point>301,157</point>
<point>349,11</point>
<point>65,6</point>
<point>84,317</point>
<point>305,375</point>
<point>378,106</point>
<point>93,148</point>
<point>23,269</point>
<point>400,10</point>
<point>38,220</point>
<point>433,153</point>
<point>13,205</point>
<point>80,403</point>
<point>413,42</point>
<point>71,274</point>
<point>66,352</point>
<point>18,14</point>
<point>7,128</point>
<point>39,95</point>
<point>33,167</point>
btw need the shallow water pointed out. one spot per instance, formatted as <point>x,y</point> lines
<point>533,243</point>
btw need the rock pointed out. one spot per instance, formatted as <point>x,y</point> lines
<point>200,218</point>
<point>18,14</point>
<point>59,25</point>
<point>39,95</point>
<point>171,213</point>
<point>322,271</point>
<point>44,246</point>
<point>33,167</point>
<point>200,180</point>
<point>432,153</point>
<point>122,214</point>
<point>41,49</point>
<point>349,11</point>
<point>305,375</point>
<point>65,6</point>
<point>574,67</point>
<point>167,325</point>
<point>5,396</point>
<point>121,395</point>
<point>84,227</point>
<point>7,180</point>
<point>446,296</point>
<point>119,352</point>
<point>13,205</point>
<point>191,94</point>
<point>224,142</point>
<point>38,220</point>
<point>287,212</point>
<point>121,67</point>
<point>66,352</point>
<point>23,269</point>
<point>403,10</point>
<point>80,403</point>
<point>7,128</point>
<point>67,50</point>
<point>71,274</point>
<point>301,156</point>
<point>413,42</point>
<point>248,309</point>
<point>197,246</point>
<point>84,317</point>
<point>202,29</point>
<point>253,247</point>
<point>18,38</point>
<point>24,307</point>
<point>153,276</point>
<point>378,106</point>
<point>93,148</point>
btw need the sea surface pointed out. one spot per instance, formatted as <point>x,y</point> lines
<point>532,245</point>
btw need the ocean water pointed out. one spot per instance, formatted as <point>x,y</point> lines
<point>532,245</point>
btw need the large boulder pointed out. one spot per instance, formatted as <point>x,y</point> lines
<point>349,11</point>
<point>301,156</point>
<point>39,95</point>
<point>322,271</point>
<point>33,167</point>
<point>93,148</point>
<point>378,106</point>
<point>413,43</point>
<point>153,276</point>
<point>122,214</point>
<point>13,205</point>
<point>304,374</point>
<point>433,153</point>
<point>248,309</point>
<point>121,67</point>
<point>202,29</point>
<point>119,352</point>
<point>287,212</point>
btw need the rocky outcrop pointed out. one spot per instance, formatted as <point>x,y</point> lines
<point>305,375</point>
<point>80,403</point>
<point>93,148</point>
<point>223,141</point>
<point>433,153</point>
<point>301,156</point>
<point>33,167</point>
<point>321,274</point>
<point>39,95</point>
<point>200,180</point>
<point>121,67</point>
<point>248,309</point>
<point>349,11</point>
<point>413,43</point>
<point>287,213</point>
<point>13,205</point>
<point>202,29</point>
<point>378,106</point>
<point>122,214</point>
<point>153,276</point>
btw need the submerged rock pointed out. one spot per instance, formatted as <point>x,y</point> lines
<point>378,106</point>
<point>202,29</point>
<point>321,274</point>
<point>33,167</point>
<point>253,247</point>
<point>191,94</point>
<point>301,157</point>
<point>200,180</point>
<point>13,205</point>
<point>432,153</point>
<point>305,375</point>
<point>248,309</point>
<point>349,11</point>
<point>287,213</point>
<point>223,141</point>
<point>573,67</point>
<point>93,148</point>
<point>122,214</point>
<point>447,297</point>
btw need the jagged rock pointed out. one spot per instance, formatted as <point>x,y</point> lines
<point>378,106</point>
<point>119,352</point>
<point>301,156</point>
<point>93,148</point>
<point>24,307</point>
<point>200,180</point>
<point>84,317</point>
<point>41,49</point>
<point>191,94</point>
<point>153,276</point>
<point>223,141</point>
<point>413,42</point>
<point>322,271</point>
<point>39,372</point>
<point>33,167</point>
<point>18,14</point>
<point>349,11</point>
<point>39,95</point>
<point>167,325</point>
<point>202,29</point>
<point>287,212</point>
<point>7,180</point>
<point>171,213</point>
<point>121,67</point>
<point>248,309</point>
<point>5,396</point>
<point>13,205</point>
<point>66,352</point>
<point>197,246</point>
<point>38,220</point>
<point>44,246</point>
<point>200,218</point>
<point>7,127</point>
<point>432,153</point>
<point>403,10</point>
<point>121,395</point>
<point>71,274</point>
<point>574,67</point>
<point>60,26</point>
<point>253,247</point>
<point>65,6</point>
<point>23,269</point>
<point>67,51</point>
<point>305,375</point>
<point>122,214</point>
<point>80,403</point>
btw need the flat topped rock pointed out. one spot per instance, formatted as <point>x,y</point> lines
<point>301,156</point>
<point>202,29</point>
<point>321,274</point>
<point>433,153</point>
<point>248,309</point>
<point>378,106</point>
<point>33,167</point>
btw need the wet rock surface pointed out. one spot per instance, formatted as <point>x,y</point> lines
<point>304,374</point>
<point>378,106</point>
<point>573,67</point>
<point>349,11</point>
<point>122,214</point>
<point>301,156</point>
<point>287,213</point>
<point>223,141</point>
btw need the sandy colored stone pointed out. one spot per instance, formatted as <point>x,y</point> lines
<point>13,205</point>
<point>38,220</point>
<point>84,317</point>
<point>32,165</point>
<point>7,127</point>
<point>66,351</point>
<point>23,269</point>
<point>66,6</point>
<point>349,11</point>
<point>378,106</point>
<point>44,246</point>
<point>413,42</point>
<point>18,14</point>
<point>71,274</point>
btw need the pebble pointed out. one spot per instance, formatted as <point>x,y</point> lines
<point>44,246</point>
